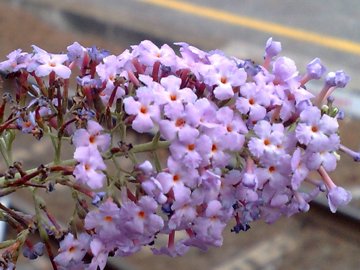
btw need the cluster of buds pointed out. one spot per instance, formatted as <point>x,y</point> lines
<point>241,141</point>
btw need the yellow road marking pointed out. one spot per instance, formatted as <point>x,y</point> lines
<point>342,45</point>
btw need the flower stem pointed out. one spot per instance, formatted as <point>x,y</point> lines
<point>150,146</point>
<point>4,152</point>
<point>52,166</point>
<point>43,234</point>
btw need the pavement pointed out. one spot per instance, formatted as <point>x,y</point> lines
<point>307,29</point>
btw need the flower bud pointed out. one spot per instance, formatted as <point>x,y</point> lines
<point>337,79</point>
<point>315,69</point>
<point>272,48</point>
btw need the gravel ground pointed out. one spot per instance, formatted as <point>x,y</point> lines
<point>304,242</point>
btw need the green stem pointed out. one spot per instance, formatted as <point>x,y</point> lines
<point>39,203</point>
<point>150,146</point>
<point>57,158</point>
<point>68,162</point>
<point>56,143</point>
<point>157,161</point>
<point>10,137</point>
<point>4,152</point>
<point>7,243</point>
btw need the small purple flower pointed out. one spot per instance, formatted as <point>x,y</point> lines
<point>178,122</point>
<point>315,69</point>
<point>16,61</point>
<point>269,141</point>
<point>96,54</point>
<point>228,189</point>
<point>225,75</point>
<point>272,48</point>
<point>314,129</point>
<point>48,63</point>
<point>100,255</point>
<point>219,155</point>
<point>87,82</point>
<point>92,136</point>
<point>176,177</point>
<point>337,197</point>
<point>177,249</point>
<point>77,54</point>
<point>192,152</point>
<point>284,69</point>
<point>108,72</point>
<point>146,167</point>
<point>148,53</point>
<point>299,169</point>
<point>172,97</point>
<point>208,228</point>
<point>253,101</point>
<point>72,250</point>
<point>323,158</point>
<point>232,128</point>
<point>144,110</point>
<point>27,123</point>
<point>153,188</point>
<point>274,175</point>
<point>88,171</point>
<point>337,79</point>
<point>139,219</point>
<point>105,221</point>
<point>184,214</point>
<point>34,252</point>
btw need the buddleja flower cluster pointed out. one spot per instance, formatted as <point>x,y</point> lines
<point>240,140</point>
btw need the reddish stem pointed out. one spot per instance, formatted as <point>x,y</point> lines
<point>4,125</point>
<point>51,218</point>
<point>171,240</point>
<point>155,72</point>
<point>14,215</point>
<point>50,253</point>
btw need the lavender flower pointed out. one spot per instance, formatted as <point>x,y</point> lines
<point>88,171</point>
<point>92,136</point>
<point>234,140</point>
<point>272,48</point>
<point>72,250</point>
<point>337,79</point>
<point>144,109</point>
<point>337,197</point>
<point>315,69</point>
<point>48,63</point>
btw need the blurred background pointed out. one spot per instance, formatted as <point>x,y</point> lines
<point>307,29</point>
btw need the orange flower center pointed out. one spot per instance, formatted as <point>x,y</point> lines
<point>27,124</point>
<point>314,129</point>
<point>143,109</point>
<point>92,138</point>
<point>141,214</point>
<point>223,79</point>
<point>191,147</point>
<point>214,148</point>
<point>179,122</point>
<point>267,142</point>
<point>176,178</point>
<point>108,218</point>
